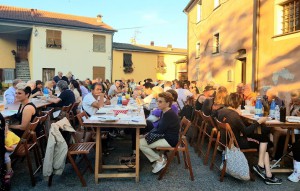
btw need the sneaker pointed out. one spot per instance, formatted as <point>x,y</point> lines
<point>159,165</point>
<point>295,177</point>
<point>260,171</point>
<point>273,180</point>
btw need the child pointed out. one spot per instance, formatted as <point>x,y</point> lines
<point>11,141</point>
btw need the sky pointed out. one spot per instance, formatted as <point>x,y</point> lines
<point>161,21</point>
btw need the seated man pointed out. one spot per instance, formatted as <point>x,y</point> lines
<point>114,89</point>
<point>10,93</point>
<point>94,100</point>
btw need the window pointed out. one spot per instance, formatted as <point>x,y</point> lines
<point>53,39</point>
<point>199,11</point>
<point>216,3</point>
<point>290,16</point>
<point>160,62</point>
<point>99,43</point>
<point>198,50</point>
<point>127,61</point>
<point>216,43</point>
<point>9,75</point>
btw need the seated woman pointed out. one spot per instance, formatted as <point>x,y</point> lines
<point>27,110</point>
<point>32,85</point>
<point>66,96</point>
<point>48,88</point>
<point>246,137</point>
<point>74,86</point>
<point>167,130</point>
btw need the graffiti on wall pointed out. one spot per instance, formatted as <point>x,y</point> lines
<point>284,73</point>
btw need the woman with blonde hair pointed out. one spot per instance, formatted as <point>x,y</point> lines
<point>48,87</point>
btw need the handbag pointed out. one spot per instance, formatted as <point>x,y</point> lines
<point>152,137</point>
<point>236,163</point>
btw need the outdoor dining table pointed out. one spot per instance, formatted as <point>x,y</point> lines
<point>11,109</point>
<point>289,126</point>
<point>136,120</point>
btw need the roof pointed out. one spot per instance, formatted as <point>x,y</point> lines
<point>11,14</point>
<point>190,5</point>
<point>148,48</point>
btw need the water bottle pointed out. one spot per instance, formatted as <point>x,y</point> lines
<point>258,107</point>
<point>282,112</point>
<point>277,113</point>
<point>272,109</point>
<point>119,102</point>
<point>46,92</point>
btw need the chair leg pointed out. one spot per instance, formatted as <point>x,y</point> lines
<point>77,170</point>
<point>88,163</point>
<point>202,141</point>
<point>223,171</point>
<point>30,167</point>
<point>212,164</point>
<point>50,180</point>
<point>178,157</point>
<point>184,159</point>
<point>170,158</point>
<point>189,164</point>
<point>199,140</point>
<point>211,139</point>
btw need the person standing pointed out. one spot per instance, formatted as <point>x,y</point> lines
<point>57,78</point>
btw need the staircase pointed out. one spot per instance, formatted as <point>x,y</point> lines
<point>23,71</point>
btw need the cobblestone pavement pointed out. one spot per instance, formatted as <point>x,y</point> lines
<point>177,178</point>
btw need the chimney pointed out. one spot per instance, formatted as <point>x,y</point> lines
<point>99,18</point>
<point>169,46</point>
<point>33,12</point>
<point>152,43</point>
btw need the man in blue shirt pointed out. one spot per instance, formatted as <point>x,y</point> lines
<point>10,93</point>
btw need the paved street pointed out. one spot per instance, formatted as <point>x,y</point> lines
<point>176,179</point>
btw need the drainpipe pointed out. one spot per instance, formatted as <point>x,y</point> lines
<point>111,57</point>
<point>255,45</point>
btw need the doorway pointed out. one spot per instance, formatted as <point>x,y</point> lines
<point>99,72</point>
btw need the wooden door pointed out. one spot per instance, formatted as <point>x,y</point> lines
<point>48,74</point>
<point>99,72</point>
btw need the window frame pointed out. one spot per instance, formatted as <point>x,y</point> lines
<point>101,48</point>
<point>286,26</point>
<point>216,43</point>
<point>198,48</point>
<point>55,36</point>
<point>199,10</point>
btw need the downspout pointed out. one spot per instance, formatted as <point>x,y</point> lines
<point>188,57</point>
<point>111,58</point>
<point>255,45</point>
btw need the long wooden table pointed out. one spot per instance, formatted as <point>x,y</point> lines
<point>290,127</point>
<point>99,167</point>
<point>10,109</point>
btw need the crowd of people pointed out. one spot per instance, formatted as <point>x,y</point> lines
<point>163,122</point>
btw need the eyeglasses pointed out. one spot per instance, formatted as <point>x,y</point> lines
<point>160,101</point>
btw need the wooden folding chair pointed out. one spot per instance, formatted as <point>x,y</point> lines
<point>208,121</point>
<point>72,115</point>
<point>196,123</point>
<point>42,137</point>
<point>76,149</point>
<point>182,146</point>
<point>231,140</point>
<point>27,144</point>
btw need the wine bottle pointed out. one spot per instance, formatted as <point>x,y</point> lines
<point>282,112</point>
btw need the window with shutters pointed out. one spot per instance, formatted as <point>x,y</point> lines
<point>99,43</point>
<point>53,39</point>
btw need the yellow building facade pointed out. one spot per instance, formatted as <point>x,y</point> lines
<point>157,63</point>
<point>233,41</point>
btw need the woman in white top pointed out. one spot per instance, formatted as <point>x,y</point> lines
<point>74,86</point>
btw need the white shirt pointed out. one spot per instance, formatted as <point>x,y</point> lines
<point>112,90</point>
<point>167,88</point>
<point>182,95</point>
<point>87,102</point>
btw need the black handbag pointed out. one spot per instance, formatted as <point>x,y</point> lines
<point>152,137</point>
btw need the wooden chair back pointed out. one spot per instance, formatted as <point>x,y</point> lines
<point>230,137</point>
<point>184,127</point>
